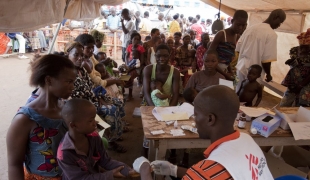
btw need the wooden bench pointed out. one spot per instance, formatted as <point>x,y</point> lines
<point>275,87</point>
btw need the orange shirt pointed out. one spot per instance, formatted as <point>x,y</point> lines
<point>207,169</point>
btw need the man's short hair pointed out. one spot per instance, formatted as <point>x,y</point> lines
<point>240,14</point>
<point>177,34</point>
<point>162,46</point>
<point>125,11</point>
<point>85,39</point>
<point>257,67</point>
<point>135,34</point>
<point>211,51</point>
<point>190,18</point>
<point>198,16</point>
<point>154,30</point>
<point>175,17</point>
<point>146,13</point>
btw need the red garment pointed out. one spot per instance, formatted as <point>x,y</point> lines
<point>198,29</point>
<point>139,48</point>
<point>201,50</point>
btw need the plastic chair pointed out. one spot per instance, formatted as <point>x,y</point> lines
<point>290,177</point>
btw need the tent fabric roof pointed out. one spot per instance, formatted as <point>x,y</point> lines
<point>229,6</point>
<point>24,16</point>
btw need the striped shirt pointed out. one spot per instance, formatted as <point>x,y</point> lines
<point>208,169</point>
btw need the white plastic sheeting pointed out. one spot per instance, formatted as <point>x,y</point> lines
<point>26,15</point>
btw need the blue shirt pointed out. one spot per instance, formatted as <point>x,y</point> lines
<point>113,22</point>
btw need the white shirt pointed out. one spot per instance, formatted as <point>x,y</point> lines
<point>257,45</point>
<point>113,22</point>
<point>162,26</point>
<point>242,158</point>
<point>130,26</point>
<point>145,25</point>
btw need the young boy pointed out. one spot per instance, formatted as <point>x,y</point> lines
<point>81,154</point>
<point>177,38</point>
<point>157,95</point>
<point>250,87</point>
<point>135,62</point>
<point>189,95</point>
<point>113,90</point>
<point>108,63</point>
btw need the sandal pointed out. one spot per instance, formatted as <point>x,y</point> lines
<point>125,129</point>
<point>117,147</point>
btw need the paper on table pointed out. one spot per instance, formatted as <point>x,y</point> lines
<point>157,132</point>
<point>227,83</point>
<point>173,113</point>
<point>301,130</point>
<point>103,124</point>
<point>253,112</point>
<point>303,115</point>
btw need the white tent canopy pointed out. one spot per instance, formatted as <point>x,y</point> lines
<point>22,16</point>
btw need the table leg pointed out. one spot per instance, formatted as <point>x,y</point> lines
<point>161,150</point>
<point>152,151</point>
<point>161,154</point>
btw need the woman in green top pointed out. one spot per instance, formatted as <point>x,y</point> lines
<point>164,73</point>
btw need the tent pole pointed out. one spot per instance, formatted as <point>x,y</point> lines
<point>57,30</point>
<point>54,39</point>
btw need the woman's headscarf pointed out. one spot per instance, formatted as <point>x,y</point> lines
<point>304,38</point>
<point>169,38</point>
<point>186,35</point>
<point>98,36</point>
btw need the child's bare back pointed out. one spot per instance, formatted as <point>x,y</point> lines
<point>248,91</point>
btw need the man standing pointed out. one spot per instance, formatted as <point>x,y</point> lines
<point>137,20</point>
<point>146,25</point>
<point>196,28</point>
<point>113,21</point>
<point>258,45</point>
<point>203,25</point>
<point>174,25</point>
<point>162,25</point>
<point>127,26</point>
<point>209,25</point>
<point>231,155</point>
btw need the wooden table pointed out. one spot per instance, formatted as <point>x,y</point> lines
<point>160,143</point>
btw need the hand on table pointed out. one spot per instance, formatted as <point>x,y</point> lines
<point>164,168</point>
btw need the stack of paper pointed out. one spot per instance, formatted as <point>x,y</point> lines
<point>300,126</point>
<point>177,132</point>
<point>102,125</point>
<point>182,112</point>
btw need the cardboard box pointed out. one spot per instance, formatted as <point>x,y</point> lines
<point>285,119</point>
<point>265,128</point>
<point>299,123</point>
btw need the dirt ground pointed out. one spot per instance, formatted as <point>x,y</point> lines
<point>15,89</point>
